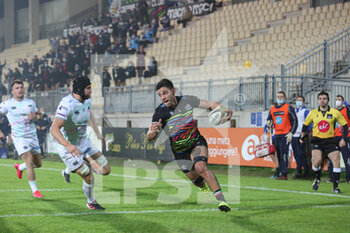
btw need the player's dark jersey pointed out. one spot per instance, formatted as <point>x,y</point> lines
<point>178,122</point>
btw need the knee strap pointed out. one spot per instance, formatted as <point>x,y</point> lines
<point>102,161</point>
<point>198,159</point>
<point>199,180</point>
<point>84,170</point>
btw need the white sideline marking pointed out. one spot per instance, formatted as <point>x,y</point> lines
<point>223,185</point>
<point>108,213</point>
<point>163,211</point>
<point>46,190</point>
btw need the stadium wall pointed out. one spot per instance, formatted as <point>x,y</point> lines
<point>140,120</point>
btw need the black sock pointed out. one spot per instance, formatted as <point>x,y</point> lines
<point>219,195</point>
<point>277,171</point>
<point>318,174</point>
<point>336,176</point>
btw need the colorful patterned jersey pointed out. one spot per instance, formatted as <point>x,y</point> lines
<point>178,122</point>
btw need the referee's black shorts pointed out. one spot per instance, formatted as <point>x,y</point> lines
<point>326,145</point>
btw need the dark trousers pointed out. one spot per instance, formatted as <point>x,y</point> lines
<point>41,144</point>
<point>345,151</point>
<point>299,154</point>
<point>282,148</point>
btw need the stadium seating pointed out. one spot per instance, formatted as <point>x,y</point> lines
<point>262,33</point>
<point>25,50</point>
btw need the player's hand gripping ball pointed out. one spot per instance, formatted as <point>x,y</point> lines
<point>216,115</point>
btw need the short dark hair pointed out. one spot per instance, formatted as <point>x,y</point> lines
<point>16,82</point>
<point>282,92</point>
<point>164,83</point>
<point>300,96</point>
<point>323,93</point>
<point>340,96</point>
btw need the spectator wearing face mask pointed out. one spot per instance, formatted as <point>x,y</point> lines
<point>299,148</point>
<point>283,117</point>
<point>131,70</point>
<point>45,76</point>
<point>345,151</point>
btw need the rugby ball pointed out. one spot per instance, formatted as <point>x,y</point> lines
<point>216,115</point>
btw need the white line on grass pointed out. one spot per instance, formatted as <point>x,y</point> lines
<point>107,213</point>
<point>163,211</point>
<point>46,190</point>
<point>223,185</point>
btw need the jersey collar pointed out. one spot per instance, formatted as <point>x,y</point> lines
<point>319,109</point>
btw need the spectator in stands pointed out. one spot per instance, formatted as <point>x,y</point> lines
<point>140,63</point>
<point>152,68</point>
<point>31,80</point>
<point>35,63</point>
<point>133,27</point>
<point>86,60</point>
<point>165,22</point>
<point>147,38</point>
<point>9,75</point>
<point>25,68</point>
<point>106,79</point>
<point>119,75</point>
<point>100,46</point>
<point>54,43</point>
<point>17,74</point>
<point>93,38</point>
<point>134,43</point>
<point>123,31</point>
<point>45,76</point>
<point>131,70</point>
<point>143,13</point>
<point>186,17</point>
<point>1,67</point>
<point>42,127</point>
<point>77,71</point>
<point>38,82</point>
<point>3,90</point>
<point>155,26</point>
<point>57,77</point>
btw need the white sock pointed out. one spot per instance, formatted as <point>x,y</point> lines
<point>89,192</point>
<point>67,171</point>
<point>32,184</point>
<point>22,166</point>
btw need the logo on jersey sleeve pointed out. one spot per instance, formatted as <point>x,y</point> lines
<point>279,120</point>
<point>323,126</point>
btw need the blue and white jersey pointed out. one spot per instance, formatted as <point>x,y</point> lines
<point>17,113</point>
<point>301,114</point>
<point>76,116</point>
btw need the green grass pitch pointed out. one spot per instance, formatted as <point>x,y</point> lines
<point>265,205</point>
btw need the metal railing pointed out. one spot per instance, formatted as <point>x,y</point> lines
<point>254,93</point>
<point>48,99</point>
<point>327,59</point>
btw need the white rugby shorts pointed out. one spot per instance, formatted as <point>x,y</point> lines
<point>26,144</point>
<point>72,162</point>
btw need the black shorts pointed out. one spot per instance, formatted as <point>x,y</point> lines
<point>183,158</point>
<point>326,145</point>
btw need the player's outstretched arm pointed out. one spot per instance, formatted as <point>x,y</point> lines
<point>56,133</point>
<point>205,104</point>
<point>92,123</point>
